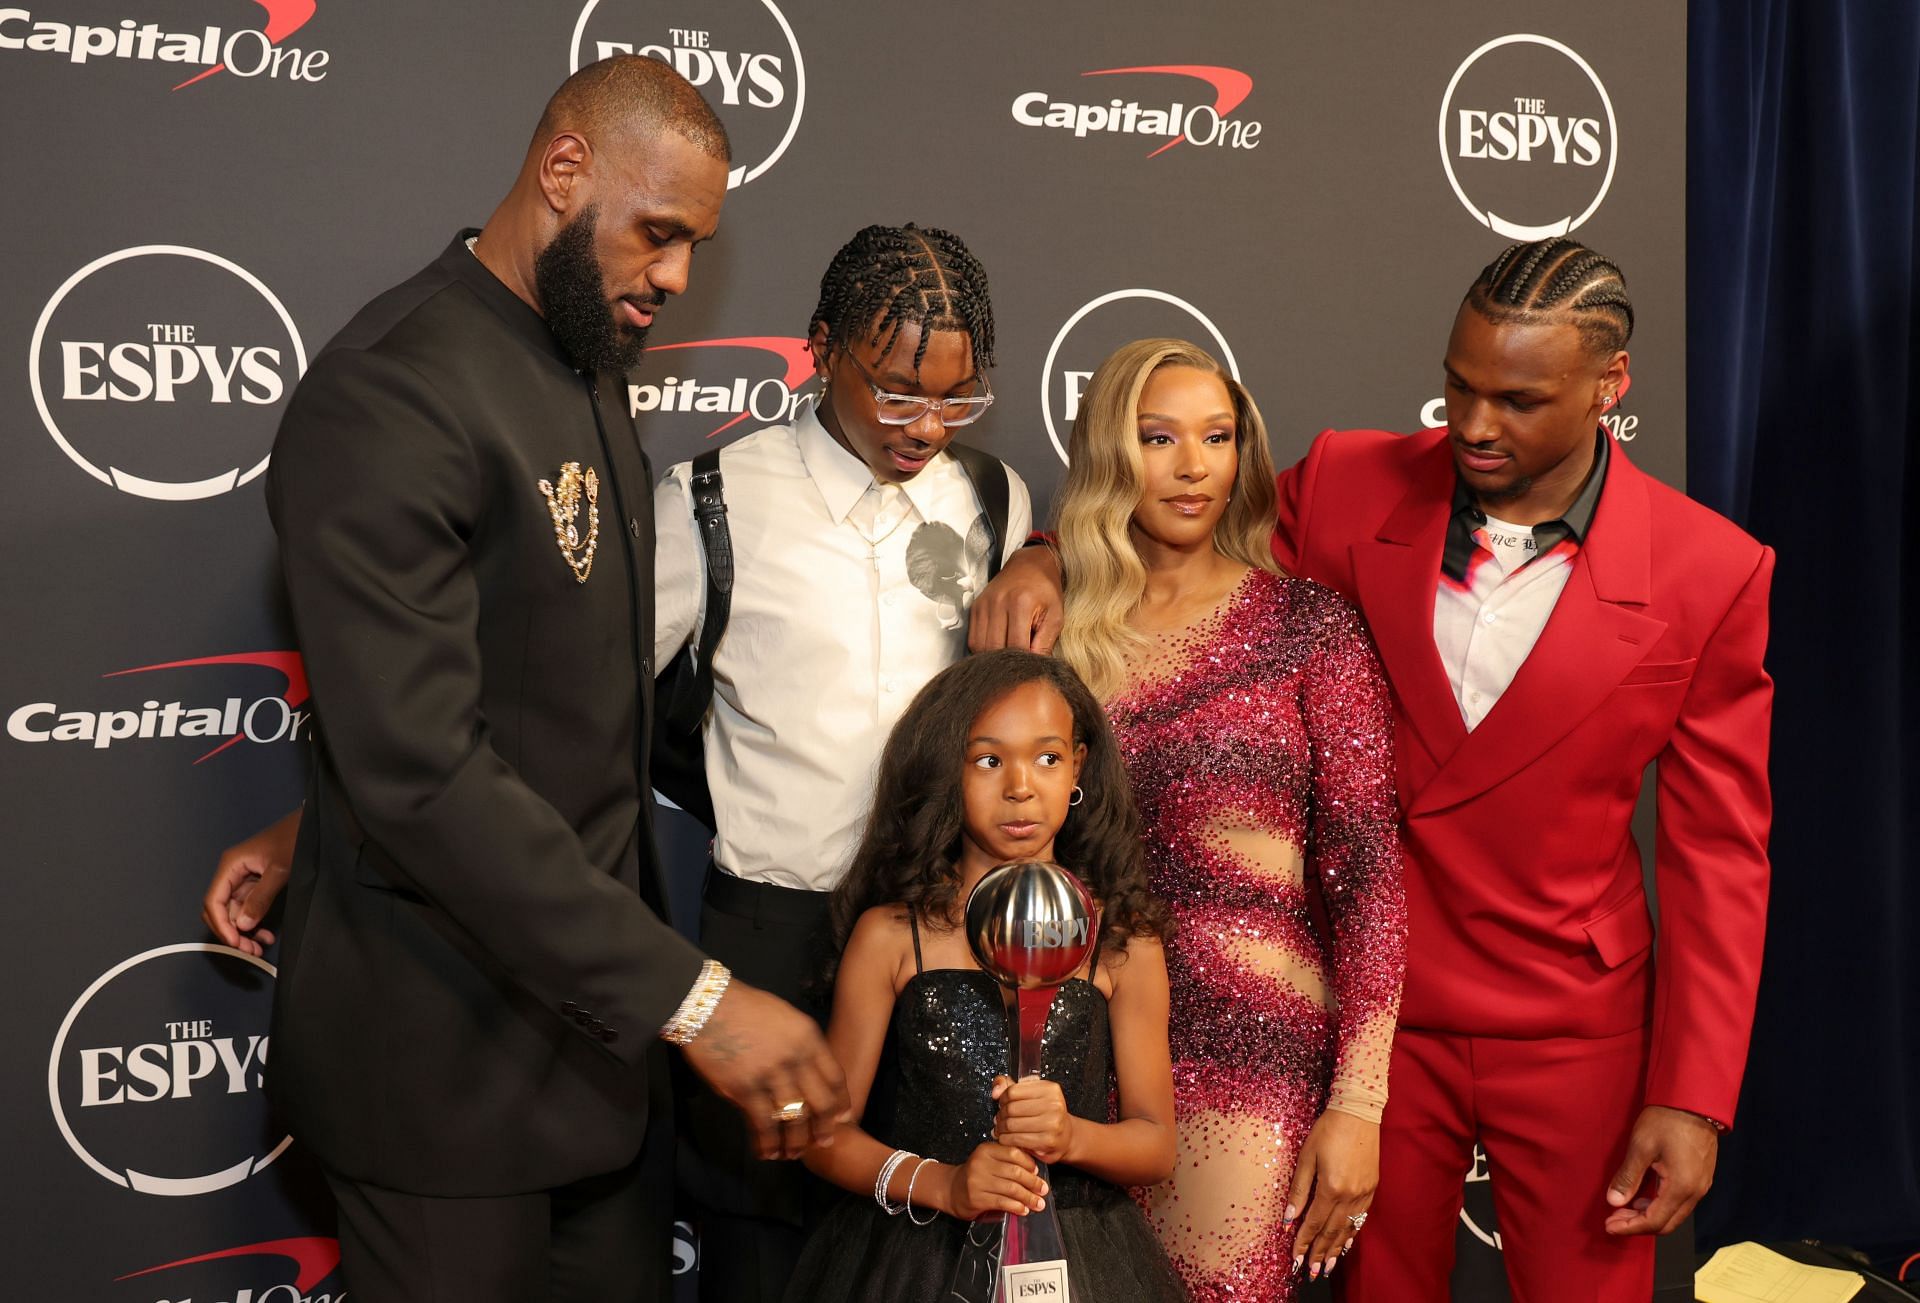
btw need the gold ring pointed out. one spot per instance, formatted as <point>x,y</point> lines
<point>794,1112</point>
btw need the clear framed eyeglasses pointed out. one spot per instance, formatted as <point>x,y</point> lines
<point>905,409</point>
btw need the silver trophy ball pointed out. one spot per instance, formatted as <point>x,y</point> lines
<point>1031,924</point>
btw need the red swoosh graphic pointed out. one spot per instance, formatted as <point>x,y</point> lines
<point>784,347</point>
<point>1230,87</point>
<point>284,18</point>
<point>315,1256</point>
<point>288,663</point>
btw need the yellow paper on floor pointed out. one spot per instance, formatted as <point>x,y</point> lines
<point>1750,1273</point>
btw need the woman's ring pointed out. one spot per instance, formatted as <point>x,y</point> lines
<point>1357,1220</point>
<point>794,1112</point>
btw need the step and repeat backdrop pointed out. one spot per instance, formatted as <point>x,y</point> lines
<point>200,192</point>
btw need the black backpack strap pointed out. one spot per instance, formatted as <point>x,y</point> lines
<point>710,522</point>
<point>686,685</point>
<point>991,484</point>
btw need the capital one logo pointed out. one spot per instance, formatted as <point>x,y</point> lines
<point>243,52</point>
<point>1105,323</point>
<point>223,722</point>
<point>705,387</point>
<point>1624,428</point>
<point>156,1078</point>
<point>1187,114</point>
<point>160,371</point>
<point>740,53</point>
<point>1527,137</point>
<point>234,1275</point>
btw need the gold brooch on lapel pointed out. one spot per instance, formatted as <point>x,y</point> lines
<point>563,504</point>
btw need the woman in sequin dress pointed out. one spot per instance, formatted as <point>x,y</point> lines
<point>1256,728</point>
<point>997,757</point>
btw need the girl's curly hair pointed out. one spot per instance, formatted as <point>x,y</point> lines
<point>909,853</point>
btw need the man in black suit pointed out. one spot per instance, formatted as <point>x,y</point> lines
<point>475,977</point>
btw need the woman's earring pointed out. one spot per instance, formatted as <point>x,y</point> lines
<point>1077,797</point>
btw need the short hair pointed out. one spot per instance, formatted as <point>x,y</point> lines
<point>631,93</point>
<point>887,276</point>
<point>1556,279</point>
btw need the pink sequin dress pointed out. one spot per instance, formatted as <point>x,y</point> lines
<point>1259,742</point>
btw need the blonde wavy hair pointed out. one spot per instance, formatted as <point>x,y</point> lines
<point>1094,511</point>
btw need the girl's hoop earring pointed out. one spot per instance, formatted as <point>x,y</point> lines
<point>1077,797</point>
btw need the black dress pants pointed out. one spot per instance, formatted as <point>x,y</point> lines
<point>752,1215</point>
<point>602,1239</point>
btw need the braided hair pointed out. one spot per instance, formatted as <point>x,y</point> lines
<point>887,276</point>
<point>1551,278</point>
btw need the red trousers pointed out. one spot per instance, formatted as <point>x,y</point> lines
<point>1553,1115</point>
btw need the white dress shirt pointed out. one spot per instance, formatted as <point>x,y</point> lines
<point>848,596</point>
<point>1499,583</point>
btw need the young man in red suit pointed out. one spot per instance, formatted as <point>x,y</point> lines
<point>1552,621</point>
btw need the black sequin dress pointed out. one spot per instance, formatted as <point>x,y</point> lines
<point>949,1038</point>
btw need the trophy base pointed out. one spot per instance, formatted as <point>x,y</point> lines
<point>1034,1281</point>
<point>983,1274</point>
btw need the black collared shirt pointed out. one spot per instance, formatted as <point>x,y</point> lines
<point>1575,524</point>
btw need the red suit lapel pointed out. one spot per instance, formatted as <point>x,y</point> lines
<point>1595,636</point>
<point>1395,575</point>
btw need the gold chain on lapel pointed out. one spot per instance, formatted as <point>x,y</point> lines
<point>563,504</point>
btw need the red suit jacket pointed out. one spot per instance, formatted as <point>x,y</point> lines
<point>1526,911</point>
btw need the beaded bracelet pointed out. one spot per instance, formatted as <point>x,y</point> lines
<point>934,1213</point>
<point>880,1182</point>
<point>699,1004</point>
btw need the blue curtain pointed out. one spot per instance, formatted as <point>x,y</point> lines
<point>1804,426</point>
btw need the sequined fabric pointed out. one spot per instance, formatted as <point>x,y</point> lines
<point>1259,745</point>
<point>950,1036</point>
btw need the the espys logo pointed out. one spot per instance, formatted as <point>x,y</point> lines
<point>1527,137</point>
<point>160,370</point>
<point>741,54</point>
<point>1104,324</point>
<point>239,1274</point>
<point>1476,1212</point>
<point>1172,120</point>
<point>157,1077</point>
<point>274,717</point>
<point>719,383</point>
<point>243,52</point>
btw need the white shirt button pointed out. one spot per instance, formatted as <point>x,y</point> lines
<point>1488,617</point>
<point>887,684</point>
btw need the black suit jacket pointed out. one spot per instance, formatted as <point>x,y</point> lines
<point>474,965</point>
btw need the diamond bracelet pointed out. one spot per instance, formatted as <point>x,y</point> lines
<point>694,1011</point>
<point>880,1182</point>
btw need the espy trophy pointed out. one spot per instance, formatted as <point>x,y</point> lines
<point>1031,926</point>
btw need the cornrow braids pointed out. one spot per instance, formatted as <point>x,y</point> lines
<point>1555,277</point>
<point>888,276</point>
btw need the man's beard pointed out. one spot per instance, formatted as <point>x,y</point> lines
<point>573,298</point>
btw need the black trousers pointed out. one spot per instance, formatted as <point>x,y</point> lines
<point>603,1238</point>
<point>753,1216</point>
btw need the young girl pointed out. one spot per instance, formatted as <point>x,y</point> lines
<point>1003,757</point>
